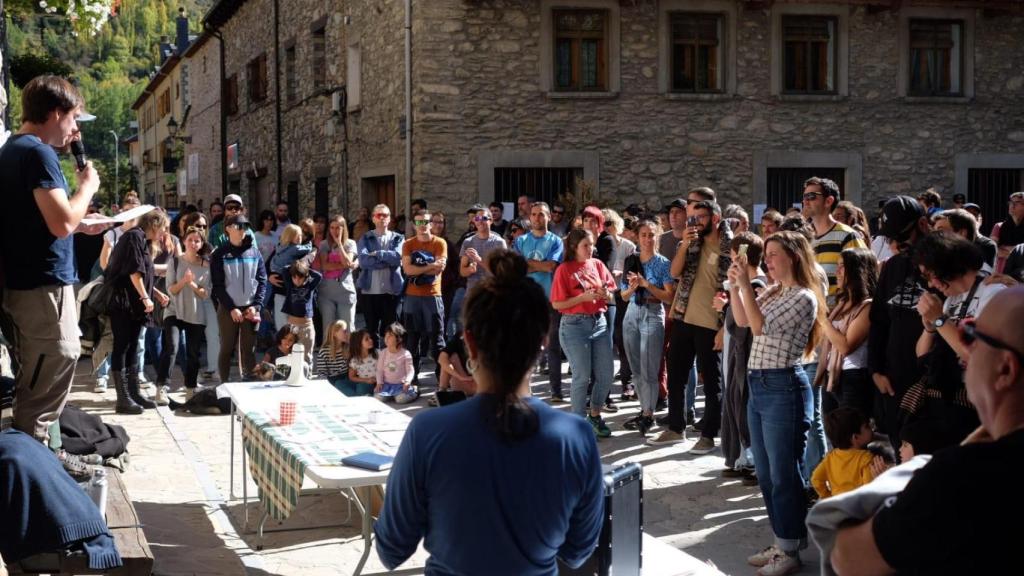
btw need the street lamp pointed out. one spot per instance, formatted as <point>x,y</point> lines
<point>172,127</point>
<point>117,165</point>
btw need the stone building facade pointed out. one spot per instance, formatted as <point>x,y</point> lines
<point>512,96</point>
<point>201,124</point>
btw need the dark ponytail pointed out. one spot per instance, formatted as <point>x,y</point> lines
<point>507,314</point>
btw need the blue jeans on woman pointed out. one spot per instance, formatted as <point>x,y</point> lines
<point>817,443</point>
<point>779,415</point>
<point>587,344</point>
<point>643,331</point>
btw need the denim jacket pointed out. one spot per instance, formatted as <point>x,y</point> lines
<point>374,256</point>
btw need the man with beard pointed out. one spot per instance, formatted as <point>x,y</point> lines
<point>700,264</point>
<point>895,321</point>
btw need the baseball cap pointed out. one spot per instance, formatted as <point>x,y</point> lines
<point>959,198</point>
<point>677,203</point>
<point>239,219</point>
<point>234,198</point>
<point>476,208</point>
<point>972,206</point>
<point>899,215</point>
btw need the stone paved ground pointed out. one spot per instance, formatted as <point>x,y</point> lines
<point>178,480</point>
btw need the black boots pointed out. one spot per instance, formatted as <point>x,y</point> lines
<point>133,390</point>
<point>125,404</point>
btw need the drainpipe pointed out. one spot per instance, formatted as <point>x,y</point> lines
<point>223,120</point>
<point>277,93</point>
<point>408,110</point>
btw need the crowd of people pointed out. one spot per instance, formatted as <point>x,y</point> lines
<point>829,346</point>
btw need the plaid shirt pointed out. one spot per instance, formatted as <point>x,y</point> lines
<point>789,315</point>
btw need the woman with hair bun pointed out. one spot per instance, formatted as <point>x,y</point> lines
<point>454,461</point>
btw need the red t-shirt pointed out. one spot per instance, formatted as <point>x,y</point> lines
<point>575,278</point>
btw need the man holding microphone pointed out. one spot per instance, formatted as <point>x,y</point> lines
<point>38,250</point>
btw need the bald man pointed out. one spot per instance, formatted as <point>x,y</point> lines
<point>959,514</point>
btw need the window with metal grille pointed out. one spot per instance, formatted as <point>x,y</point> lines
<point>809,54</point>
<point>321,201</point>
<point>990,188</point>
<point>936,57</point>
<point>542,184</point>
<point>786,185</point>
<point>256,71</point>
<point>290,83</point>
<point>319,58</point>
<point>696,60</point>
<point>581,50</point>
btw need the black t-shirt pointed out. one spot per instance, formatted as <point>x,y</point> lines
<point>959,514</point>
<point>988,248</point>
<point>1015,264</point>
<point>32,256</point>
<point>456,346</point>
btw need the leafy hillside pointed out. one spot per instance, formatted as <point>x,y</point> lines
<point>111,66</point>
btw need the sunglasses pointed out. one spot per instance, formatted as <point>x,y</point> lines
<point>481,218</point>
<point>421,222</point>
<point>812,196</point>
<point>239,226</point>
<point>233,208</point>
<point>381,215</point>
<point>199,226</point>
<point>969,334</point>
<point>559,212</point>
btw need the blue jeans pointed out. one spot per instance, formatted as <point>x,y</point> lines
<point>817,444</point>
<point>643,331</point>
<point>453,324</point>
<point>588,346</point>
<point>779,414</point>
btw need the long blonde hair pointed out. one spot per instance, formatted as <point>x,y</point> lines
<point>336,345</point>
<point>291,234</point>
<point>805,275</point>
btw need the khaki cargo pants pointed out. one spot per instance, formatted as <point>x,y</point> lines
<point>47,347</point>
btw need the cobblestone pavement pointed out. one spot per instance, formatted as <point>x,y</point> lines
<point>178,479</point>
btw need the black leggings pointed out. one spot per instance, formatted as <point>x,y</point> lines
<point>173,329</point>
<point>126,329</point>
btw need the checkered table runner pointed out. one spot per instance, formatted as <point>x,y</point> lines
<point>279,455</point>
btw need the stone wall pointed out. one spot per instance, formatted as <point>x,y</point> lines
<point>203,125</point>
<point>477,88</point>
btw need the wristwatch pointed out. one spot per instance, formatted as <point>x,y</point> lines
<point>940,321</point>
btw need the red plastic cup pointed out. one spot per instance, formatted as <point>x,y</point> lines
<point>287,413</point>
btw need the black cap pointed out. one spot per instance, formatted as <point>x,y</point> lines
<point>972,206</point>
<point>899,216</point>
<point>677,203</point>
<point>239,219</point>
<point>959,198</point>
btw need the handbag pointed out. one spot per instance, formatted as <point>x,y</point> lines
<point>100,297</point>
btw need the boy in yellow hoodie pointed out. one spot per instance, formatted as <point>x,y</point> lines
<point>848,465</point>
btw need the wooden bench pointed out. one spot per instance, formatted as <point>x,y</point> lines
<point>124,524</point>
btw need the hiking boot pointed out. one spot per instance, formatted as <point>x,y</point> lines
<point>704,445</point>
<point>633,423</point>
<point>780,564</point>
<point>136,396</point>
<point>667,438</point>
<point>100,386</point>
<point>161,398</point>
<point>75,466</point>
<point>765,556</point>
<point>600,428</point>
<point>125,404</point>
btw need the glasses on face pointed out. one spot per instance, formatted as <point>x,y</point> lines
<point>559,212</point>
<point>421,222</point>
<point>438,222</point>
<point>238,226</point>
<point>481,218</point>
<point>233,208</point>
<point>970,334</point>
<point>381,215</point>
<point>199,226</point>
<point>811,196</point>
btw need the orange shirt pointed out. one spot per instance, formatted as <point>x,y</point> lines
<point>439,249</point>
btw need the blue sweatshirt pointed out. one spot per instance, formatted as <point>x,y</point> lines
<point>238,276</point>
<point>299,300</point>
<point>484,505</point>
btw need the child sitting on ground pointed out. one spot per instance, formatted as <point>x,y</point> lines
<point>455,379</point>
<point>283,341</point>
<point>332,359</point>
<point>849,465</point>
<point>394,368</point>
<point>362,363</point>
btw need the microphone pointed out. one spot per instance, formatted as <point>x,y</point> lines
<point>78,151</point>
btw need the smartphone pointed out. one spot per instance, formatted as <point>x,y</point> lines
<point>742,249</point>
<point>692,221</point>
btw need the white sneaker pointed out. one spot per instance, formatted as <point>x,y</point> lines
<point>161,399</point>
<point>780,564</point>
<point>765,556</point>
<point>100,386</point>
